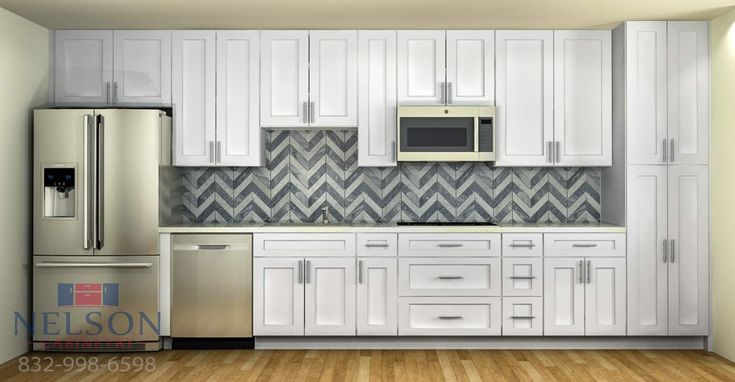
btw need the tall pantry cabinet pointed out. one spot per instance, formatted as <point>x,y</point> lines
<point>661,82</point>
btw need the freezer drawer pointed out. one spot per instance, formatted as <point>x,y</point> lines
<point>211,290</point>
<point>95,298</point>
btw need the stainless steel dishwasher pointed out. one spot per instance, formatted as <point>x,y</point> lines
<point>212,286</point>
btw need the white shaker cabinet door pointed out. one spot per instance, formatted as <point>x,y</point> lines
<point>647,243</point>
<point>688,250</point>
<point>645,92</point>
<point>142,67</point>
<point>524,97</point>
<point>583,98</point>
<point>563,296</point>
<point>333,78</point>
<point>284,80</point>
<point>421,61</point>
<point>605,296</point>
<point>377,304</point>
<point>376,59</point>
<point>688,92</point>
<point>193,90</point>
<point>329,297</point>
<point>278,297</point>
<point>83,67</point>
<point>239,136</point>
<point>471,67</point>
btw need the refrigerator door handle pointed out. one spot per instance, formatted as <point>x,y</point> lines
<point>92,265</point>
<point>87,173</point>
<point>100,182</point>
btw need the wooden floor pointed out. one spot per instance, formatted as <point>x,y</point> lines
<point>394,365</point>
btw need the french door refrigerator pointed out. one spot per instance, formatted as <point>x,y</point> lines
<point>95,229</point>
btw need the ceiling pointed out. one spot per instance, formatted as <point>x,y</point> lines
<point>357,14</point>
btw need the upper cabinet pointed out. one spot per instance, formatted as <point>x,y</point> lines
<point>112,67</point>
<point>309,78</point>
<point>667,92</point>
<point>376,58</point>
<point>554,98</point>
<point>446,67</point>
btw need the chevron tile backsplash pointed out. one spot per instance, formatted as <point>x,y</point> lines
<point>307,170</point>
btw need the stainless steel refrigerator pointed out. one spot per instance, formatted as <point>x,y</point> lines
<point>95,228</point>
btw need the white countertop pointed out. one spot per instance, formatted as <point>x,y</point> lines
<point>367,228</point>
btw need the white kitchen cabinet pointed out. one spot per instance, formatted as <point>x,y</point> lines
<point>688,92</point>
<point>278,296</point>
<point>377,93</point>
<point>329,296</point>
<point>470,67</point>
<point>377,244</point>
<point>284,78</point>
<point>333,78</point>
<point>523,316</point>
<point>449,316</point>
<point>688,260</point>
<point>583,98</point>
<point>421,61</point>
<point>449,244</point>
<point>239,137</point>
<point>647,242</point>
<point>524,97</point>
<point>523,244</point>
<point>83,62</point>
<point>142,62</point>
<point>193,90</point>
<point>523,276</point>
<point>377,291</point>
<point>449,277</point>
<point>563,296</point>
<point>605,296</point>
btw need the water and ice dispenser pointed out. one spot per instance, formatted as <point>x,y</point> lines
<point>58,197</point>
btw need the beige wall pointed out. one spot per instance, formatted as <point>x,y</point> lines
<point>723,184</point>
<point>24,47</point>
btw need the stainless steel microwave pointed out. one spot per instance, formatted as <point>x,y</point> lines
<point>446,133</point>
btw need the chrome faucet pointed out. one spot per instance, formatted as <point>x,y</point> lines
<point>325,214</point>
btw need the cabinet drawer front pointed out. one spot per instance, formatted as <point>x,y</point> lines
<point>449,316</point>
<point>304,244</point>
<point>377,244</point>
<point>584,245</point>
<point>523,316</point>
<point>523,244</point>
<point>449,277</point>
<point>461,244</point>
<point>523,277</point>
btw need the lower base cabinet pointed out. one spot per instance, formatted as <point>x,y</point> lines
<point>449,316</point>
<point>329,297</point>
<point>377,293</point>
<point>278,297</point>
<point>523,316</point>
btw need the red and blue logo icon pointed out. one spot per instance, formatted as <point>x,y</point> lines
<point>88,294</point>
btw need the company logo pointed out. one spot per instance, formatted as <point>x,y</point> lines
<point>88,294</point>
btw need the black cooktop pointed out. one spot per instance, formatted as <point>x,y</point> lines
<point>446,223</point>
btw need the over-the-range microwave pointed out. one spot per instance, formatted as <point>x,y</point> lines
<point>446,133</point>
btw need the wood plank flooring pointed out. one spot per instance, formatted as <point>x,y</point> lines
<point>394,365</point>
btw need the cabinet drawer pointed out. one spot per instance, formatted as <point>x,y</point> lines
<point>523,244</point>
<point>523,277</point>
<point>459,244</point>
<point>449,316</point>
<point>523,316</point>
<point>377,244</point>
<point>449,277</point>
<point>304,244</point>
<point>584,244</point>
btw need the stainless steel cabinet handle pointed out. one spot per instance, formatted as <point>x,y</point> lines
<point>673,251</point>
<point>212,247</point>
<point>450,317</point>
<point>442,93</point>
<point>449,93</point>
<point>100,183</point>
<point>557,152</point>
<point>522,245</point>
<point>450,277</point>
<point>584,245</point>
<point>672,151</point>
<point>114,93</point>
<point>306,112</point>
<point>219,151</point>
<point>211,151</point>
<point>87,208</point>
<point>581,271</point>
<point>663,145</point>
<point>449,245</point>
<point>666,249</point>
<point>589,272</point>
<point>108,93</point>
<point>93,265</point>
<point>311,112</point>
<point>300,271</point>
<point>359,271</point>
<point>376,245</point>
<point>308,271</point>
<point>522,317</point>
<point>522,277</point>
<point>549,152</point>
